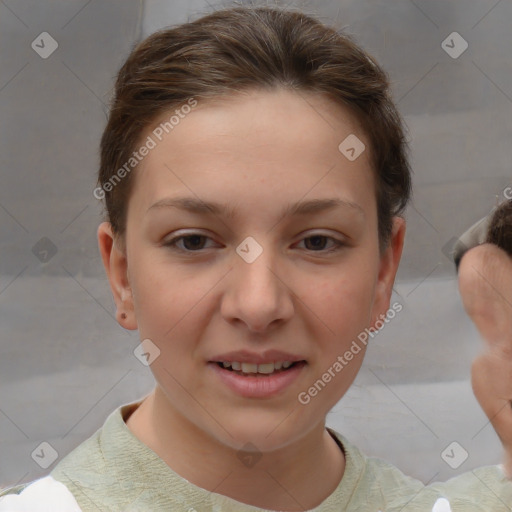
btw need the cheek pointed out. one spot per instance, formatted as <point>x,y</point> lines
<point>162,296</point>
<point>344,304</point>
<point>173,304</point>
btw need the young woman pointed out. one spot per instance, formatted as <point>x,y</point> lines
<point>254,172</point>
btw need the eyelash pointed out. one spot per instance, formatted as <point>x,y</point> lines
<point>171,244</point>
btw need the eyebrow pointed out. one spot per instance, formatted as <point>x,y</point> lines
<point>200,207</point>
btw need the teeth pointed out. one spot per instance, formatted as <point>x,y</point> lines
<point>249,368</point>
<point>265,368</point>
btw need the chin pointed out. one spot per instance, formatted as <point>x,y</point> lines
<point>267,432</point>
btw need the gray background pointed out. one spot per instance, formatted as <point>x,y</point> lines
<point>65,363</point>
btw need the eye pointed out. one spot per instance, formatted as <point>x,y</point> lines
<point>318,243</point>
<point>192,240</point>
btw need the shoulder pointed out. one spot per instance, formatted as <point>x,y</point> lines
<point>369,470</point>
<point>109,470</point>
<point>58,490</point>
<point>376,481</point>
<point>38,495</point>
<point>482,489</point>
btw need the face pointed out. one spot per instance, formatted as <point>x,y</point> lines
<point>254,281</point>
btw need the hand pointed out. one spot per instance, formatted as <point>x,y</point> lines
<point>485,284</point>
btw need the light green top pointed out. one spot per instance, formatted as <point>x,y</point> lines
<point>114,471</point>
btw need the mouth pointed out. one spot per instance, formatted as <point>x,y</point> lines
<point>257,381</point>
<point>258,370</point>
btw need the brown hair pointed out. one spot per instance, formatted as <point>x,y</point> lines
<point>500,227</point>
<point>243,48</point>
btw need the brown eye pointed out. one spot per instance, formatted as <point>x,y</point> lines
<point>318,243</point>
<point>191,243</point>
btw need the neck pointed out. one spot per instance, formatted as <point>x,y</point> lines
<point>297,477</point>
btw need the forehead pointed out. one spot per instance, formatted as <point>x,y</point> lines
<point>277,146</point>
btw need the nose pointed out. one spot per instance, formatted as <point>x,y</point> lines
<point>257,293</point>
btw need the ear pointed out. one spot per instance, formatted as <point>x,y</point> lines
<point>388,267</point>
<point>116,266</point>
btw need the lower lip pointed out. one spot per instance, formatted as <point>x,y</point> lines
<point>261,386</point>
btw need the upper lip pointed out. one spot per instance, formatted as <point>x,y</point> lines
<point>246,356</point>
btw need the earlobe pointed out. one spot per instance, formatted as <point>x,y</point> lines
<point>388,268</point>
<point>116,266</point>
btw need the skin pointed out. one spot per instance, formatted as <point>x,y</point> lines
<point>256,152</point>
<point>485,284</point>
